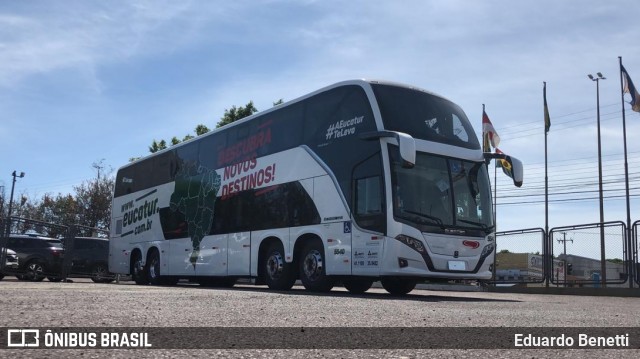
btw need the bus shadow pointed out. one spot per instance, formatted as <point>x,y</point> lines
<point>418,295</point>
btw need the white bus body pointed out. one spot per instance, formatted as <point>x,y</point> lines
<point>356,182</point>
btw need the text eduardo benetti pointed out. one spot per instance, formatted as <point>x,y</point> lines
<point>578,341</point>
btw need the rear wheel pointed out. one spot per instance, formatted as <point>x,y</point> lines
<point>279,275</point>
<point>312,268</point>
<point>138,274</point>
<point>153,268</point>
<point>358,286</point>
<point>398,286</point>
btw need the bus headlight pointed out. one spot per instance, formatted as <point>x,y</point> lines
<point>488,249</point>
<point>416,244</point>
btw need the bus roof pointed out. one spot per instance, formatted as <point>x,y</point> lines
<point>359,82</point>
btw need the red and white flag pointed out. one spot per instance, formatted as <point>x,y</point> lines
<point>489,134</point>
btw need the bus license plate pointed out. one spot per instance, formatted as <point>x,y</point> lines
<point>457,265</point>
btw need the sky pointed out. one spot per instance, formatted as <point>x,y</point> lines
<point>85,82</point>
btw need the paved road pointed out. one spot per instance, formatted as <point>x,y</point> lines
<point>85,304</point>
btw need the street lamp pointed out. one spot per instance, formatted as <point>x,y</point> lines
<point>603,266</point>
<point>3,253</point>
<point>13,185</point>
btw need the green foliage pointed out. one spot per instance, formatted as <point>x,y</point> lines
<point>230,115</point>
<point>89,206</point>
<point>236,113</point>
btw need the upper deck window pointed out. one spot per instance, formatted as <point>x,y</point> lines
<point>424,116</point>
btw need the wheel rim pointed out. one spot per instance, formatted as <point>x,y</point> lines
<point>99,272</point>
<point>137,267</point>
<point>34,271</point>
<point>154,268</point>
<point>275,265</point>
<point>312,265</point>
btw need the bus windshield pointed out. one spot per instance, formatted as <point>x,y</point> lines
<point>442,193</point>
<point>425,116</point>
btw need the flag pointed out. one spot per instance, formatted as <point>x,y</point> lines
<point>628,87</point>
<point>504,164</point>
<point>489,134</point>
<point>547,119</point>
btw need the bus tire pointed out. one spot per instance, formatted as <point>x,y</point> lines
<point>278,274</point>
<point>138,272</point>
<point>313,272</point>
<point>153,269</point>
<point>357,285</point>
<point>398,286</point>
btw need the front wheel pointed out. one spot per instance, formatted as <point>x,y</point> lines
<point>358,286</point>
<point>313,273</point>
<point>278,274</point>
<point>398,286</point>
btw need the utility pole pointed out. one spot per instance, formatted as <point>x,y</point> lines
<point>564,240</point>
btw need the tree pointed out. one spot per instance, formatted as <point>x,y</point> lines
<point>230,115</point>
<point>51,215</point>
<point>162,144</point>
<point>236,113</point>
<point>93,201</point>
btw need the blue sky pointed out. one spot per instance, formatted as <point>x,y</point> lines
<point>85,81</point>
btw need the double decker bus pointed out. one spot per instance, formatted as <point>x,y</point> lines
<point>357,182</point>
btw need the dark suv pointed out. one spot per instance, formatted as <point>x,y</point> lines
<point>38,257</point>
<point>89,257</point>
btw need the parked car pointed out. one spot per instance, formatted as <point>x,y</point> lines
<point>89,257</point>
<point>11,262</point>
<point>38,256</point>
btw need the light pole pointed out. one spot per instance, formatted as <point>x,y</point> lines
<point>13,185</point>
<point>3,255</point>
<point>603,265</point>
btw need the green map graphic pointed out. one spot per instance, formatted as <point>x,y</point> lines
<point>195,197</point>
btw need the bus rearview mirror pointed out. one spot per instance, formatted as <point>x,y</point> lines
<point>406,143</point>
<point>511,166</point>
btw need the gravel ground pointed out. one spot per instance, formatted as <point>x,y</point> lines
<point>85,304</point>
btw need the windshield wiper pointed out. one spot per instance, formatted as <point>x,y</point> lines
<point>427,216</point>
<point>479,224</point>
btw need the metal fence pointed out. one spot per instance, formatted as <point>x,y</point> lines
<point>589,254</point>
<point>586,255</point>
<point>519,256</point>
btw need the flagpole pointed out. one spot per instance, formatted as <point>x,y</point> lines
<point>546,186</point>
<point>495,195</point>
<point>626,182</point>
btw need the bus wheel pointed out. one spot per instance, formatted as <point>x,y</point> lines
<point>153,269</point>
<point>138,273</point>
<point>398,286</point>
<point>357,286</point>
<point>278,273</point>
<point>312,268</point>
